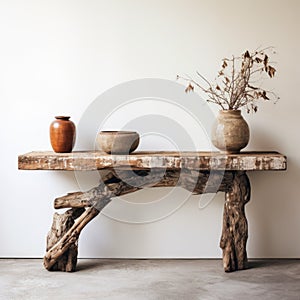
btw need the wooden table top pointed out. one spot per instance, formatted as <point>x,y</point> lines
<point>204,161</point>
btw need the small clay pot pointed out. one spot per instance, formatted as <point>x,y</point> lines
<point>230,132</point>
<point>62,134</point>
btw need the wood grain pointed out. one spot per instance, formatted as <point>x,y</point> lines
<point>94,160</point>
<point>235,226</point>
<point>60,226</point>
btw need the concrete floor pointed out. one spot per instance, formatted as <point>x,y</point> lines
<point>150,279</point>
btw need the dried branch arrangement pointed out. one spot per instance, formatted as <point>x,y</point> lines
<point>238,83</point>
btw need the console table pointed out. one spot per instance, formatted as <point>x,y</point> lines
<point>197,172</point>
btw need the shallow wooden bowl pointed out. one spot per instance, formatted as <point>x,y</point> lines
<point>118,142</point>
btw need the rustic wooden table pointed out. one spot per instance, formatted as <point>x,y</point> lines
<point>198,172</point>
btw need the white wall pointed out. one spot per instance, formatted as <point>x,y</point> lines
<point>58,56</point>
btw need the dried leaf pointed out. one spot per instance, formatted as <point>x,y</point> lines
<point>258,60</point>
<point>252,87</point>
<point>189,88</point>
<point>224,65</point>
<point>247,54</point>
<point>264,95</point>
<point>266,60</point>
<point>218,88</point>
<point>271,71</point>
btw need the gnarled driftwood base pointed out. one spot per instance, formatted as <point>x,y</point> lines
<point>235,226</point>
<point>197,171</point>
<point>62,240</point>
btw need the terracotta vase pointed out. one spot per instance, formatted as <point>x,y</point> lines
<point>230,133</point>
<point>62,134</point>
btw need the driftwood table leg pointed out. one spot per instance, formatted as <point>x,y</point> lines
<point>62,240</point>
<point>61,224</point>
<point>65,249</point>
<point>235,226</point>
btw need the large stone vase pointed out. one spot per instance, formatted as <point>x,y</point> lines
<point>230,132</point>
